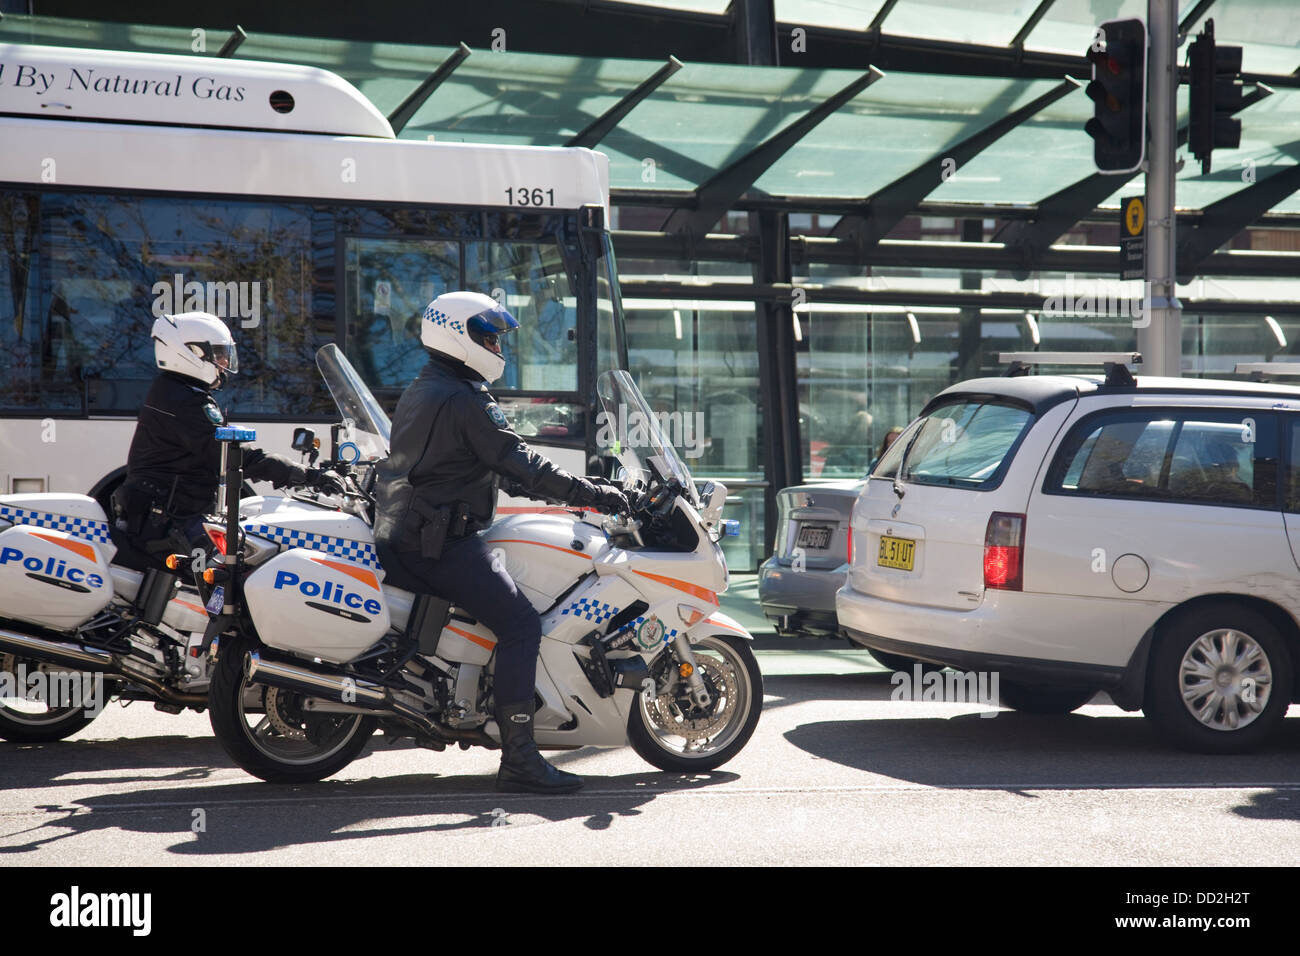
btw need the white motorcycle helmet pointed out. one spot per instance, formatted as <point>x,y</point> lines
<point>195,344</point>
<point>464,326</point>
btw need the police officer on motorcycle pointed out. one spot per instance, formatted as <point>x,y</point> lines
<point>451,449</point>
<point>173,467</point>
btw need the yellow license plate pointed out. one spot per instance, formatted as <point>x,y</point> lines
<point>896,553</point>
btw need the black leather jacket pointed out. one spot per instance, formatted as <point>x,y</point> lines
<point>451,444</point>
<point>175,442</point>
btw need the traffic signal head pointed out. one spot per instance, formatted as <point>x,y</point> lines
<point>1119,94</point>
<point>1214,94</point>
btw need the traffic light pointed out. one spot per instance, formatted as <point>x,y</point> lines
<point>1119,94</point>
<point>1215,93</point>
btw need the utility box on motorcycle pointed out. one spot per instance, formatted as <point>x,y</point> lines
<point>306,602</point>
<point>49,576</point>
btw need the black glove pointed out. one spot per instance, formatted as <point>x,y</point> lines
<point>325,481</point>
<point>606,497</point>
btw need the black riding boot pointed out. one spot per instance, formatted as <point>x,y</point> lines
<point>523,768</point>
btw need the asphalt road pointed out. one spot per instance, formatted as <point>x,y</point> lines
<point>837,773</point>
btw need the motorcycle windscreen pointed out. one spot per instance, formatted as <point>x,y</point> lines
<point>366,424</point>
<point>634,433</point>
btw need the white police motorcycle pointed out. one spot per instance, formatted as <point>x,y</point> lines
<point>315,651</point>
<point>77,628</point>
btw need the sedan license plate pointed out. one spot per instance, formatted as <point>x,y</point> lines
<point>814,536</point>
<point>896,553</point>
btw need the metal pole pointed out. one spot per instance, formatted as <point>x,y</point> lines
<point>1160,328</point>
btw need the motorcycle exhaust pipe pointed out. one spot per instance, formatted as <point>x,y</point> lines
<point>80,658</point>
<point>342,690</point>
<point>93,660</point>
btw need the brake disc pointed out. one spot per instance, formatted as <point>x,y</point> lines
<point>674,714</point>
<point>276,705</point>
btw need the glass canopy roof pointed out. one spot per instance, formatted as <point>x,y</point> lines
<point>707,116</point>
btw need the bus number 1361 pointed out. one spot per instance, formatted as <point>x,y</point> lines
<point>530,197</point>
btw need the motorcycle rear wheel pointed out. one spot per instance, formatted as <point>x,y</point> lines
<point>291,747</point>
<point>671,734</point>
<point>30,722</point>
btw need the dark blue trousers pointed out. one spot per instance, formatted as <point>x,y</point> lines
<point>465,576</point>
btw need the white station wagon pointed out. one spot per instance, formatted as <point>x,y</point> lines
<point>1081,533</point>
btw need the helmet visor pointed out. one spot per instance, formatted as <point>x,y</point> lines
<point>223,357</point>
<point>484,328</point>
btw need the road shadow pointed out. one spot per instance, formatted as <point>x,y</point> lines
<point>256,817</point>
<point>122,760</point>
<point>127,760</point>
<point>1271,805</point>
<point>1015,751</point>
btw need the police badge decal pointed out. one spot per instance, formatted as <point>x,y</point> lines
<point>649,633</point>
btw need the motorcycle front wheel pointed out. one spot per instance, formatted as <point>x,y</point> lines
<point>24,720</point>
<point>671,733</point>
<point>268,733</point>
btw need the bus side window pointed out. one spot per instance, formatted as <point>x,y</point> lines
<point>531,279</point>
<point>389,283</point>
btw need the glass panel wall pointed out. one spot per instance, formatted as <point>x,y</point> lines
<point>1214,344</point>
<point>696,361</point>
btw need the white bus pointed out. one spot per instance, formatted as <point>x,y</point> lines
<point>278,198</point>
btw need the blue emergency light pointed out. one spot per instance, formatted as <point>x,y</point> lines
<point>230,433</point>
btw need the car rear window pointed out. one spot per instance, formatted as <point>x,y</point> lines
<point>966,443</point>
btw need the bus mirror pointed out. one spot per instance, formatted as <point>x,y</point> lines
<point>591,218</point>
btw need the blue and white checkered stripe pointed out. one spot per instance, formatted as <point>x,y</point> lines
<point>598,612</point>
<point>441,318</point>
<point>86,528</point>
<point>357,551</point>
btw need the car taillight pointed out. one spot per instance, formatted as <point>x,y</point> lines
<point>1004,551</point>
<point>218,539</point>
<point>850,544</point>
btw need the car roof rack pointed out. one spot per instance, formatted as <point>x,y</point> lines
<point>1115,363</point>
<point>1263,371</point>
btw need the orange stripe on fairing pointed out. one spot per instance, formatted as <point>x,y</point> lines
<point>717,623</point>
<point>704,594</point>
<point>361,574</point>
<point>483,642</point>
<point>193,607</point>
<point>85,550</point>
<point>554,547</point>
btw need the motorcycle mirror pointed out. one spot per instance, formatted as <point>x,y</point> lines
<point>304,439</point>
